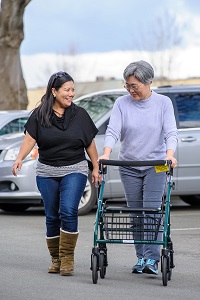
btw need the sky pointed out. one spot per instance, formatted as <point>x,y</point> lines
<point>99,38</point>
<point>87,26</point>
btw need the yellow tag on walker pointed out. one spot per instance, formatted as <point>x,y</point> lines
<point>160,169</point>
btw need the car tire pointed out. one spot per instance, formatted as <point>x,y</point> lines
<point>89,198</point>
<point>14,207</point>
<point>191,199</point>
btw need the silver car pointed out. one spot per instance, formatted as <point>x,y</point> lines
<point>17,193</point>
<point>21,192</point>
<point>12,121</point>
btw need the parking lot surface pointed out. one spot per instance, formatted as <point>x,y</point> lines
<point>24,262</point>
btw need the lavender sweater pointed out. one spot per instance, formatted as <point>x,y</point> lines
<point>146,128</point>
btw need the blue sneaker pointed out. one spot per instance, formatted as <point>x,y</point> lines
<point>139,266</point>
<point>151,267</point>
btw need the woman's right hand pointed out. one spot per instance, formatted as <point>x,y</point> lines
<point>104,156</point>
<point>16,166</point>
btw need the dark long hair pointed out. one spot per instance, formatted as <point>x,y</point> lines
<point>45,109</point>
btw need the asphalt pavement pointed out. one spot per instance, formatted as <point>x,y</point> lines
<point>24,262</point>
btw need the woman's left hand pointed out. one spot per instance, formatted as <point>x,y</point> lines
<point>173,160</point>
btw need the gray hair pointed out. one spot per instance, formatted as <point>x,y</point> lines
<point>141,70</point>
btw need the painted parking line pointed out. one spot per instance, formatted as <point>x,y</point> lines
<point>182,229</point>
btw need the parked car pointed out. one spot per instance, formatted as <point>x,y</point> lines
<point>12,121</point>
<point>17,193</point>
<point>21,192</point>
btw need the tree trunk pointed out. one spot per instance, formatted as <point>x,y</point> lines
<point>12,84</point>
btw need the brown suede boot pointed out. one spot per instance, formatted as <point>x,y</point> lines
<point>66,252</point>
<point>53,246</point>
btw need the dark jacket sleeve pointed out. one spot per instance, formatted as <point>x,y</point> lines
<point>31,126</point>
<point>87,127</point>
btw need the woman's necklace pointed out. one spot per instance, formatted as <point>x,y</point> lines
<point>59,114</point>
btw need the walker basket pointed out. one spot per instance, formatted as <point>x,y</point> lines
<point>131,226</point>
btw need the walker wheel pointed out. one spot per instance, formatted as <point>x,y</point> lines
<point>165,270</point>
<point>94,269</point>
<point>171,260</point>
<point>102,266</point>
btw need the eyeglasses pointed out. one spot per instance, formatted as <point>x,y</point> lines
<point>129,87</point>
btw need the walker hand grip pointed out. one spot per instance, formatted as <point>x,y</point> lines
<point>134,163</point>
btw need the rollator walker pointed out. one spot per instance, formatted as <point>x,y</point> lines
<point>125,225</point>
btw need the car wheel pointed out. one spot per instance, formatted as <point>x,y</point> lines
<point>89,198</point>
<point>192,200</point>
<point>14,207</point>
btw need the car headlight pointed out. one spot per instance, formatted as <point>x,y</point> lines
<point>11,154</point>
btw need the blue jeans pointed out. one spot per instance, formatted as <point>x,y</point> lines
<point>61,197</point>
<point>144,188</point>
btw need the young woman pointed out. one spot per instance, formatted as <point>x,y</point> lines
<point>62,131</point>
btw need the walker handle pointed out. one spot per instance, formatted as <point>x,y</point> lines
<point>122,163</point>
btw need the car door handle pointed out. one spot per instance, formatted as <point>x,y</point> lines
<point>188,139</point>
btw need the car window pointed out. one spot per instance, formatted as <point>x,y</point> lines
<point>97,106</point>
<point>16,125</point>
<point>188,106</point>
<point>103,127</point>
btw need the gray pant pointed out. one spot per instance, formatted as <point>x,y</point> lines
<point>144,188</point>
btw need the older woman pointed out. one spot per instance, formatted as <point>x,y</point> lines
<point>144,122</point>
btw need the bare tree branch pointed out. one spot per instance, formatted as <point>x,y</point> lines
<point>161,40</point>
